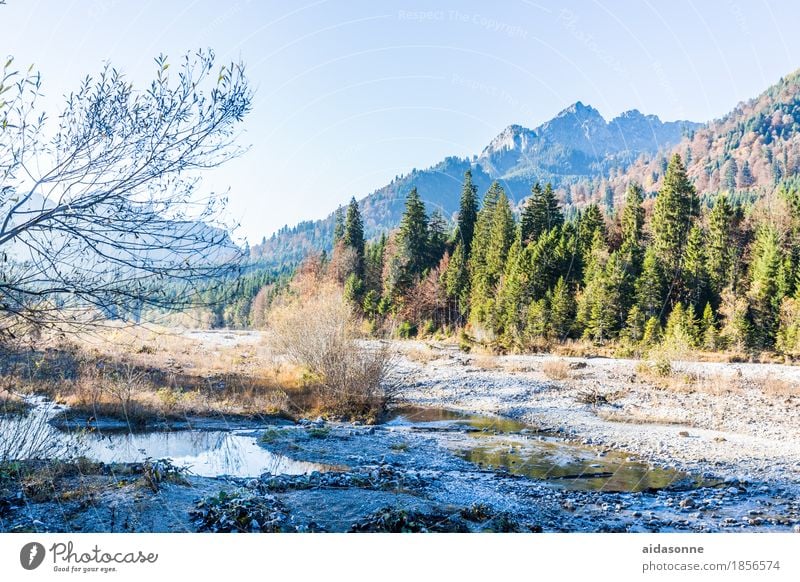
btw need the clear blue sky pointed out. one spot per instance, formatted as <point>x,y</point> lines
<point>351,93</point>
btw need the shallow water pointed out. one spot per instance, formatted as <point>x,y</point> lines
<point>491,443</point>
<point>574,467</point>
<point>206,453</point>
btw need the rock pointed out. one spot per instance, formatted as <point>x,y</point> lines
<point>796,528</point>
<point>636,514</point>
<point>732,491</point>
<point>687,503</point>
<point>683,433</point>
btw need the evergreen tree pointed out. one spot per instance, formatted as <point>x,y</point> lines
<point>541,213</point>
<point>562,311</point>
<point>456,280</point>
<point>437,237</point>
<point>467,214</point>
<point>494,235</point>
<point>650,286</point>
<point>731,173</point>
<point>413,237</point>
<point>634,325</point>
<point>694,268</point>
<point>763,294</point>
<point>632,225</point>
<point>708,325</point>
<point>675,206</point>
<point>338,225</point>
<point>353,236</point>
<point>719,247</point>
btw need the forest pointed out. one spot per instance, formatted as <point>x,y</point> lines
<point>703,273</point>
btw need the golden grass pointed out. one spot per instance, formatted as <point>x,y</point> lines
<point>556,370</point>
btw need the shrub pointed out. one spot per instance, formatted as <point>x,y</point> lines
<point>319,332</point>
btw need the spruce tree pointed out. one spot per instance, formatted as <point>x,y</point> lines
<point>494,235</point>
<point>467,214</point>
<point>632,225</point>
<point>650,286</point>
<point>675,207</point>
<point>764,298</point>
<point>694,269</point>
<point>719,247</point>
<point>708,327</point>
<point>541,213</point>
<point>338,225</point>
<point>353,236</point>
<point>413,237</point>
<point>562,311</point>
<point>437,237</point>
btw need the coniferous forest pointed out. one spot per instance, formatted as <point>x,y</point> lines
<point>703,273</point>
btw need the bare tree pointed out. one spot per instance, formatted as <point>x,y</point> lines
<point>100,212</point>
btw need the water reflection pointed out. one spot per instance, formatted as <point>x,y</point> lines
<point>572,467</point>
<point>207,453</point>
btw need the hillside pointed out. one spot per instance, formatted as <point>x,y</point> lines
<point>751,149</point>
<point>577,146</point>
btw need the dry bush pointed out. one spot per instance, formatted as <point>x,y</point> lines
<point>319,333</point>
<point>556,369</point>
<point>772,386</point>
<point>30,436</point>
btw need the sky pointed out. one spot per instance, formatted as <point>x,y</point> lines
<point>350,93</point>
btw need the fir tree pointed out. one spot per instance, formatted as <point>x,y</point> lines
<point>632,225</point>
<point>763,294</point>
<point>437,237</point>
<point>540,214</point>
<point>650,286</point>
<point>353,236</point>
<point>675,206</point>
<point>708,326</point>
<point>413,237</point>
<point>694,268</point>
<point>338,225</point>
<point>719,247</point>
<point>562,311</point>
<point>467,214</point>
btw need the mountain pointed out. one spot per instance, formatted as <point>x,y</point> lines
<point>577,146</point>
<point>750,150</point>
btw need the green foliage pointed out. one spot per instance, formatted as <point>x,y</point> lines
<point>675,207</point>
<point>353,236</point>
<point>467,214</point>
<point>540,214</point>
<point>413,239</point>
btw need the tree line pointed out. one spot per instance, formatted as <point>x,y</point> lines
<point>710,274</point>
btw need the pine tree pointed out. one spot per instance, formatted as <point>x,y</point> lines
<point>719,247</point>
<point>731,172</point>
<point>590,222</point>
<point>541,213</point>
<point>353,236</point>
<point>675,206</point>
<point>413,237</point>
<point>652,332</point>
<point>467,214</point>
